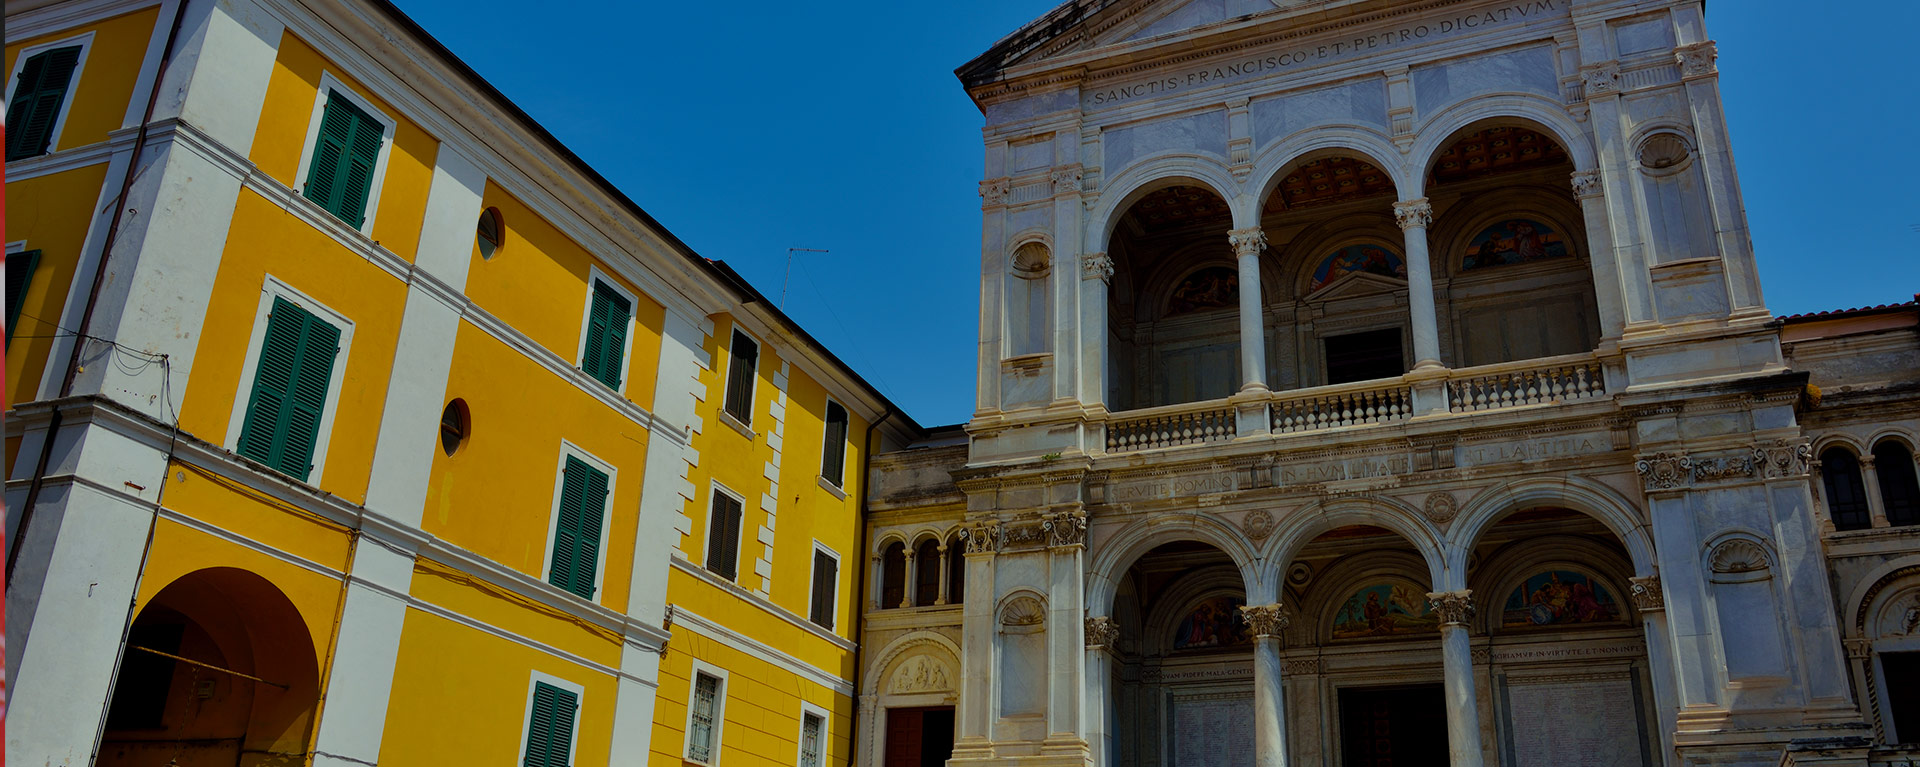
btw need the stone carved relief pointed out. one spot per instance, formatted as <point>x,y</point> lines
<point>1586,183</point>
<point>1413,214</point>
<point>1738,556</point>
<point>1664,471</point>
<point>1440,508</point>
<point>1725,467</point>
<point>1066,529</point>
<point>982,538</point>
<point>1096,266</point>
<point>1066,180</point>
<point>1248,242</point>
<point>1266,620</point>
<point>1257,524</point>
<point>1304,666</point>
<point>1602,78</point>
<point>1452,607</point>
<point>920,674</point>
<point>1697,59</point>
<point>1030,534</point>
<point>994,191</point>
<point>1859,649</point>
<point>1481,655</point>
<point>1911,619</point>
<point>1783,459</point>
<point>1102,631</point>
<point>1645,593</point>
<point>1023,611</point>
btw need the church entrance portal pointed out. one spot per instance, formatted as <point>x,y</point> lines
<point>1393,726</point>
<point>919,737</point>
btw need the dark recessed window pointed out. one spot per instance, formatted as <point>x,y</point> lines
<point>1846,490</point>
<point>489,232</point>
<point>455,425</point>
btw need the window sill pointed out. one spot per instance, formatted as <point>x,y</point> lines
<point>745,431</point>
<point>836,490</point>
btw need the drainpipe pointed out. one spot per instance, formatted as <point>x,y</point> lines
<point>860,588</point>
<point>93,292</point>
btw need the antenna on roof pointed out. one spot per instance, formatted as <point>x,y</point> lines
<point>789,276</point>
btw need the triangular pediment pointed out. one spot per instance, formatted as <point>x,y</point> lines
<point>1357,284</point>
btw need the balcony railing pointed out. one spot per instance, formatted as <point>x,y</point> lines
<point>1173,425</point>
<point>1570,378</point>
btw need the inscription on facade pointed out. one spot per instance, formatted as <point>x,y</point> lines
<point>1162,488</point>
<point>1537,449</point>
<point>1365,467</point>
<point>1292,55</point>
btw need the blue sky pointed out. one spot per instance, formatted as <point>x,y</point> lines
<point>750,128</point>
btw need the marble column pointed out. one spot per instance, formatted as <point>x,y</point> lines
<point>878,575</point>
<point>1247,244</point>
<point>1102,632</point>
<point>1651,601</point>
<point>1096,271</point>
<point>945,563</point>
<point>1269,708</point>
<point>1870,482</point>
<point>1414,216</point>
<point>1455,608</point>
<point>976,644</point>
<point>911,579</point>
<point>1589,190</point>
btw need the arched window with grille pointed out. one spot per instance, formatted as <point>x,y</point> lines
<point>1846,492</point>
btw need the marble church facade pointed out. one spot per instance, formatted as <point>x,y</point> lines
<point>1368,382</point>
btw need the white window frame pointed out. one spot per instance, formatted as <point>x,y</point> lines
<point>819,547</point>
<point>719,713</point>
<point>328,84</point>
<point>270,289</point>
<point>707,547</point>
<point>594,277</point>
<point>85,41</point>
<point>526,716</point>
<point>846,440</point>
<point>553,516</point>
<point>753,385</point>
<point>826,731</point>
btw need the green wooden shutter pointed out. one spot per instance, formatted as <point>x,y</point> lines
<point>723,537</point>
<point>550,726</point>
<point>833,453</point>
<point>740,373</point>
<point>826,582</point>
<point>576,541</point>
<point>345,152</point>
<point>290,385</point>
<point>20,268</point>
<point>611,311</point>
<point>37,98</point>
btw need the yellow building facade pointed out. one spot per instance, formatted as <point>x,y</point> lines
<point>385,431</point>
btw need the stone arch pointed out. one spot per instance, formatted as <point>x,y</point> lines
<point>1154,290</point>
<point>1575,493</point>
<point>897,650</point>
<point>1151,175</point>
<point>889,538</point>
<point>1179,598</point>
<point>1509,567</point>
<point>1118,553</point>
<point>1528,110</point>
<point>1315,243</point>
<point>1302,525</point>
<point>1277,159</point>
<point>1452,235</point>
<point>1867,592</point>
<point>1853,444</point>
<point>1895,433</point>
<point>1320,604</point>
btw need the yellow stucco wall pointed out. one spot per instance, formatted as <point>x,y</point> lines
<point>104,88</point>
<point>51,214</point>
<point>762,711</point>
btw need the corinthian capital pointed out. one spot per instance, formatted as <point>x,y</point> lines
<point>1102,632</point>
<point>1249,241</point>
<point>1452,607</point>
<point>1586,183</point>
<point>1413,213</point>
<point>1267,620</point>
<point>1096,266</point>
<point>1697,59</point>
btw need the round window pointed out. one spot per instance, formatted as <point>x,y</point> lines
<point>489,232</point>
<point>455,426</point>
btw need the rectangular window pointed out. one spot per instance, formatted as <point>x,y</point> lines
<point>813,729</point>
<point>550,726</point>
<point>604,353</point>
<point>740,374</point>
<point>826,587</point>
<point>290,386</point>
<point>576,537</point>
<point>20,268</point>
<point>723,536</point>
<point>38,98</point>
<point>703,718</point>
<point>833,454</point>
<point>346,154</point>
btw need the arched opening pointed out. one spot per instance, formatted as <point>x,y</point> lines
<point>1899,488</point>
<point>926,573</point>
<point>1181,670</point>
<point>1508,240</point>
<point>1846,491</point>
<point>893,576</point>
<point>1173,311</point>
<point>219,668</point>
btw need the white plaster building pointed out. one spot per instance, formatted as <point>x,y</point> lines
<point>1369,382</point>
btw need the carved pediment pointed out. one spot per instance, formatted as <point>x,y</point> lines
<point>1356,285</point>
<point>1082,26</point>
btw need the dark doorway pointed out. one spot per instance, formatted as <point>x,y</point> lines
<point>1364,356</point>
<point>919,737</point>
<point>1903,693</point>
<point>1394,726</point>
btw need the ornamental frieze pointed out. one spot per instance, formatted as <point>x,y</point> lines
<point>1668,471</point>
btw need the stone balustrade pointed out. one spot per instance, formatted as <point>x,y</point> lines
<point>1171,426</point>
<point>1528,382</point>
<point>1332,407</point>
